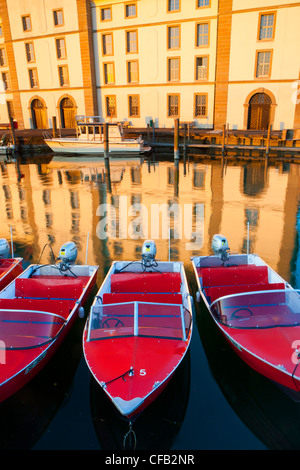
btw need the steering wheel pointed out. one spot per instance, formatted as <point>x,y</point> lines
<point>108,320</point>
<point>241,316</point>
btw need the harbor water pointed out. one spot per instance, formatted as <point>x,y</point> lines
<point>214,401</point>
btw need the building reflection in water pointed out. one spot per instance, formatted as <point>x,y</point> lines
<point>61,201</point>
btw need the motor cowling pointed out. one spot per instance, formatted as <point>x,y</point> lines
<point>220,247</point>
<point>4,248</point>
<point>68,253</point>
<point>148,252</point>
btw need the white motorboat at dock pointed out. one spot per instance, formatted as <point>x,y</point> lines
<point>90,139</point>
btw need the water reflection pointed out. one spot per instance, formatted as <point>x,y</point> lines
<point>115,207</point>
<point>59,200</point>
<point>267,410</point>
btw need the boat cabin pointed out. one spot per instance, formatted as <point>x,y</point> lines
<point>91,128</point>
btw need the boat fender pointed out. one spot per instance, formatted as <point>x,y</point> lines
<point>81,312</point>
<point>198,296</point>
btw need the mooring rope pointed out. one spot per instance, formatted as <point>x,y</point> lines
<point>127,435</point>
<point>120,376</point>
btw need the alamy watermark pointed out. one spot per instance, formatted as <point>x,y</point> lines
<point>137,221</point>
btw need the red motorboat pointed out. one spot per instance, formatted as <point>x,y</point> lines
<point>37,310</point>
<point>9,267</point>
<point>257,311</point>
<point>139,330</point>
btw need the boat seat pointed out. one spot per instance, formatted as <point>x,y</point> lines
<point>60,288</point>
<point>219,291</point>
<point>234,275</point>
<point>111,298</point>
<point>60,307</point>
<point>146,282</point>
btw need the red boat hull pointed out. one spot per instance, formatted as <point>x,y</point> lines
<point>9,270</point>
<point>153,363</point>
<point>265,350</point>
<point>20,365</point>
<point>257,311</point>
<point>138,332</point>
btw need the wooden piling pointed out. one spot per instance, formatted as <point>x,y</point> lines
<point>13,135</point>
<point>184,142</point>
<point>54,126</point>
<point>223,140</point>
<point>106,143</point>
<point>268,140</point>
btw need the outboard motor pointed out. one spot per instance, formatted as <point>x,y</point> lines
<point>148,253</point>
<point>4,248</point>
<point>220,247</point>
<point>67,254</point>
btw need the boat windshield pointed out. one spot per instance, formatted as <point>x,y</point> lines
<point>264,309</point>
<point>139,319</point>
<point>23,329</point>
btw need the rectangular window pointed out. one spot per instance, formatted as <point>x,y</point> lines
<point>26,23</point>
<point>131,41</point>
<point>173,69</point>
<point>5,80</point>
<point>33,78</point>
<point>111,106</point>
<point>202,34</point>
<point>2,57</point>
<point>173,5</point>
<point>109,73</point>
<point>173,37</point>
<point>200,106</point>
<point>134,105</point>
<point>201,68</point>
<point>173,106</point>
<point>63,75</point>
<point>130,10</point>
<point>267,26</point>
<point>107,44</point>
<point>263,64</point>
<point>61,48</point>
<point>105,14</point>
<point>133,71</point>
<point>58,17</point>
<point>203,3</point>
<point>29,48</point>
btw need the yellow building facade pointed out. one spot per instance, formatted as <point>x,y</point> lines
<point>209,62</point>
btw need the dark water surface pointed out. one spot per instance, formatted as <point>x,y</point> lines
<point>214,401</point>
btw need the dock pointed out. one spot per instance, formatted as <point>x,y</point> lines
<point>226,142</point>
<point>184,139</point>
